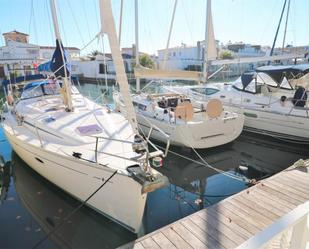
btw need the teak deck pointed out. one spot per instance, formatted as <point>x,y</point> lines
<point>234,220</point>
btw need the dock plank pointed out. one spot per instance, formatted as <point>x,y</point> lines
<point>287,192</point>
<point>283,196</point>
<point>254,215</point>
<point>262,192</point>
<point>267,203</point>
<point>174,238</point>
<point>232,221</point>
<point>162,241</point>
<point>298,192</point>
<point>233,218</point>
<point>228,223</point>
<point>201,235</point>
<point>244,216</point>
<point>213,232</point>
<point>215,222</point>
<point>187,236</point>
<point>149,243</point>
<point>254,205</point>
<point>298,184</point>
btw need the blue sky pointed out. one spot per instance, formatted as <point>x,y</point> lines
<point>250,21</point>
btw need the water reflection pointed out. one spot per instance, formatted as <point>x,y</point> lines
<point>48,205</point>
<point>5,179</point>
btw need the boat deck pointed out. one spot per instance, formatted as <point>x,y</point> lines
<point>236,219</point>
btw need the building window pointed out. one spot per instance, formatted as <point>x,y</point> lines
<point>102,68</point>
<point>73,68</point>
<point>33,51</point>
<point>46,55</point>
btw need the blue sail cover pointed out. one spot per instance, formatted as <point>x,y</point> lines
<point>56,64</point>
<point>246,78</point>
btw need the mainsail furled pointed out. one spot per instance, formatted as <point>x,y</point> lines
<point>58,61</point>
<point>210,40</point>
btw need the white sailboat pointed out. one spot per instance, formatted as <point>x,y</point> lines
<point>173,116</point>
<point>268,105</point>
<point>185,124</point>
<point>279,114</point>
<point>78,145</point>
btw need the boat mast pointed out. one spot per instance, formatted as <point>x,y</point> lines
<point>67,85</point>
<point>208,19</point>
<point>108,27</point>
<point>286,25</point>
<point>138,85</point>
<point>120,22</point>
<point>169,36</point>
<point>275,39</point>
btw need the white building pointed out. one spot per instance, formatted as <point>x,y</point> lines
<point>191,57</point>
<point>18,57</point>
<point>96,67</point>
<point>184,57</point>
<point>241,50</point>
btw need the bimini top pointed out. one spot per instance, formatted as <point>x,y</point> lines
<point>289,71</point>
<point>40,88</point>
<point>34,84</point>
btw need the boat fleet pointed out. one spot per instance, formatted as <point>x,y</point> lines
<point>107,157</point>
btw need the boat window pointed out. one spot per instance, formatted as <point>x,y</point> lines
<point>264,78</point>
<point>210,91</point>
<point>238,84</point>
<point>200,90</point>
<point>142,107</point>
<point>172,102</point>
<point>252,87</point>
<point>285,84</point>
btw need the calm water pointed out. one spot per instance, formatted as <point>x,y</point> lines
<point>30,206</point>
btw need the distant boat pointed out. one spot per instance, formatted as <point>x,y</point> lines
<point>282,114</point>
<point>78,145</point>
<point>173,114</point>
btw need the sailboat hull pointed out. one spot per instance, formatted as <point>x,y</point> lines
<point>121,199</point>
<point>197,135</point>
<point>288,127</point>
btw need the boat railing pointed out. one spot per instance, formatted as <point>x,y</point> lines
<point>290,231</point>
<point>143,156</point>
<point>163,134</point>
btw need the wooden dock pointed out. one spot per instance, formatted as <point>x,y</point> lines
<point>236,219</point>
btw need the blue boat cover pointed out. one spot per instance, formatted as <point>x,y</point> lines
<point>56,64</point>
<point>34,84</point>
<point>246,78</point>
<point>288,71</point>
<point>23,78</point>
